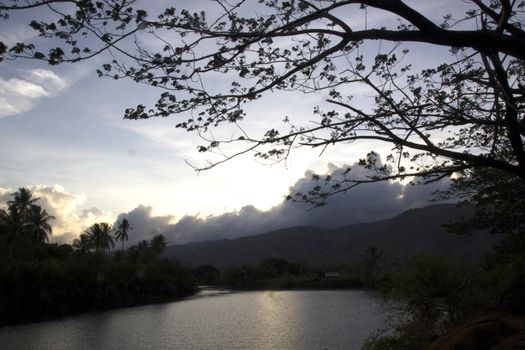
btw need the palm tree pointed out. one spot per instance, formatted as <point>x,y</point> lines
<point>25,220</point>
<point>83,243</point>
<point>12,223</point>
<point>18,211</point>
<point>23,200</point>
<point>158,244</point>
<point>107,239</point>
<point>4,227</point>
<point>121,234</point>
<point>37,226</point>
<point>99,235</point>
<point>4,220</point>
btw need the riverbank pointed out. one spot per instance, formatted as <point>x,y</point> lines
<point>84,305</point>
<point>294,283</point>
<point>48,281</point>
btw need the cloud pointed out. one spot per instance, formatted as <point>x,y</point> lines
<point>144,224</point>
<point>71,218</point>
<point>5,195</point>
<point>19,95</point>
<point>16,33</point>
<point>52,82</point>
<point>365,203</point>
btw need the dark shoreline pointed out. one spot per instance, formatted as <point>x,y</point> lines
<point>293,283</point>
<point>102,308</point>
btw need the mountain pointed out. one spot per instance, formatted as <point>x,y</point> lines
<point>414,231</point>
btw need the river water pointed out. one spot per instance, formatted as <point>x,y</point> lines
<point>327,319</point>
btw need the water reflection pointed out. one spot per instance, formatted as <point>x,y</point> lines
<point>216,320</point>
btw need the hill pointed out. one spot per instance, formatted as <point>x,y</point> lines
<point>414,231</point>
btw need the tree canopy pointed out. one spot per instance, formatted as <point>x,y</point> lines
<point>462,114</point>
<point>99,236</point>
<point>39,280</point>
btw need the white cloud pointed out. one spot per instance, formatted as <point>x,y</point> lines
<point>5,195</point>
<point>19,95</point>
<point>47,78</point>
<point>23,88</point>
<point>365,203</point>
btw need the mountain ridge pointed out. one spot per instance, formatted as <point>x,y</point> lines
<point>413,231</point>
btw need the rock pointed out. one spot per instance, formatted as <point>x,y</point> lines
<point>495,330</point>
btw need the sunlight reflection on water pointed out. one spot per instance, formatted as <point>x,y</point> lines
<point>216,320</point>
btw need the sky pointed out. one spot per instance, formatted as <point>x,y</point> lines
<point>62,134</point>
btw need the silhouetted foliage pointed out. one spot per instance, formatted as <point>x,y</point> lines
<point>277,273</point>
<point>499,201</point>
<point>121,233</point>
<point>83,243</point>
<point>25,221</point>
<point>206,274</point>
<point>369,268</point>
<point>22,201</point>
<point>99,235</point>
<point>434,294</point>
<point>158,244</point>
<point>267,268</point>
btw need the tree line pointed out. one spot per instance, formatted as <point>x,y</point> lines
<point>40,280</point>
<point>457,114</point>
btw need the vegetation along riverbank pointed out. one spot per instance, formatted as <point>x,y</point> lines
<point>40,280</point>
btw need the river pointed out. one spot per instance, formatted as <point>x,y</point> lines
<point>327,319</point>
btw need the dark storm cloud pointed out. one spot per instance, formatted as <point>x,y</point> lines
<point>365,203</point>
